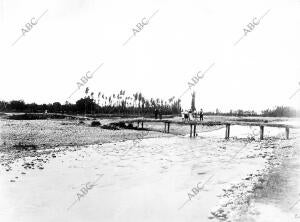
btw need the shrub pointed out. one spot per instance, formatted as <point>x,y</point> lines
<point>95,123</point>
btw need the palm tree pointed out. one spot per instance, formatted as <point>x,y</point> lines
<point>157,102</point>
<point>86,93</point>
<point>135,96</point>
<point>92,96</point>
<point>140,99</point>
<point>99,101</point>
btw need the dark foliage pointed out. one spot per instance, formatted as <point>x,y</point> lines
<point>95,123</point>
<point>281,111</point>
<point>119,104</point>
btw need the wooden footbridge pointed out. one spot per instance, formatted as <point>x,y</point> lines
<point>193,125</point>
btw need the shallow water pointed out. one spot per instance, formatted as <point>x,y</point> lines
<point>280,199</point>
<point>147,180</point>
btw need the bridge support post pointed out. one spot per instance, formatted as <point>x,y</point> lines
<point>168,127</point>
<point>227,132</point>
<point>261,132</point>
<point>191,130</point>
<point>195,130</point>
<point>142,125</point>
<point>287,132</point>
<point>138,124</point>
<point>165,130</point>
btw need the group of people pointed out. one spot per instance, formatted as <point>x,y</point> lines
<point>190,115</point>
<point>187,115</point>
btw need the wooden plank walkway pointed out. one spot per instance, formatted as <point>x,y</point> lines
<point>193,125</point>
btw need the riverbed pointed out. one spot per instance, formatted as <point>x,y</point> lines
<point>151,179</point>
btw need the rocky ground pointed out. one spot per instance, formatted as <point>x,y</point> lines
<point>33,138</point>
<point>236,200</point>
<point>28,146</point>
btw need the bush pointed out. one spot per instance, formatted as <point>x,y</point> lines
<point>122,125</point>
<point>95,123</point>
<point>110,127</point>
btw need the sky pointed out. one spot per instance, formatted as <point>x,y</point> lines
<point>181,39</point>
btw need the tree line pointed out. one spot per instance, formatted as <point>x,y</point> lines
<point>278,111</point>
<point>135,104</point>
<point>281,111</point>
<point>119,103</point>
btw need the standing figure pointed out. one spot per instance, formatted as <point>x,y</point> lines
<point>190,115</point>
<point>201,115</point>
<point>156,113</point>
<point>195,114</point>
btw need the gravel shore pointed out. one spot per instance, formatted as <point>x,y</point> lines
<point>205,178</point>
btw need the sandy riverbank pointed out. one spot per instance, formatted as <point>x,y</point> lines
<point>21,138</point>
<point>149,178</point>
